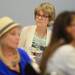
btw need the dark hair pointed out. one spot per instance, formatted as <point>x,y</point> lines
<point>59,36</point>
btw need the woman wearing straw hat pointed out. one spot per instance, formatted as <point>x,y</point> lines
<point>12,59</point>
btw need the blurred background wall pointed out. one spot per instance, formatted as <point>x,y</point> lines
<point>23,10</point>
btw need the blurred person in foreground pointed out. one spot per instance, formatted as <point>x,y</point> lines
<point>36,37</point>
<point>59,56</point>
<point>12,59</point>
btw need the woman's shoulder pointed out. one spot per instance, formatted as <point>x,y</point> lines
<point>66,47</point>
<point>64,50</point>
<point>60,58</point>
<point>61,53</point>
<point>28,27</point>
<point>23,54</point>
<point>21,50</point>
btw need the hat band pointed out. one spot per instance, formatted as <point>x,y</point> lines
<point>7,26</point>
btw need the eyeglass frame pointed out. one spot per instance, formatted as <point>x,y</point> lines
<point>44,16</point>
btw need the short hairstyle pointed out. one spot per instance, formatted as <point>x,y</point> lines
<point>47,8</point>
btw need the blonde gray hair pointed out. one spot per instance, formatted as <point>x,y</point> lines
<point>47,8</point>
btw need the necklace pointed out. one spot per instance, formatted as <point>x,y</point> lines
<point>12,61</point>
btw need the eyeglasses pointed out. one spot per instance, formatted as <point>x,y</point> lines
<point>42,16</point>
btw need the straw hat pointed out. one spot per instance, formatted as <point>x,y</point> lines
<point>6,24</point>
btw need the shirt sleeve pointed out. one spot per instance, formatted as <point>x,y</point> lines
<point>70,63</point>
<point>22,38</point>
<point>62,62</point>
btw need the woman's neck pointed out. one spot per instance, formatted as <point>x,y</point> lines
<point>8,51</point>
<point>10,57</point>
<point>41,31</point>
